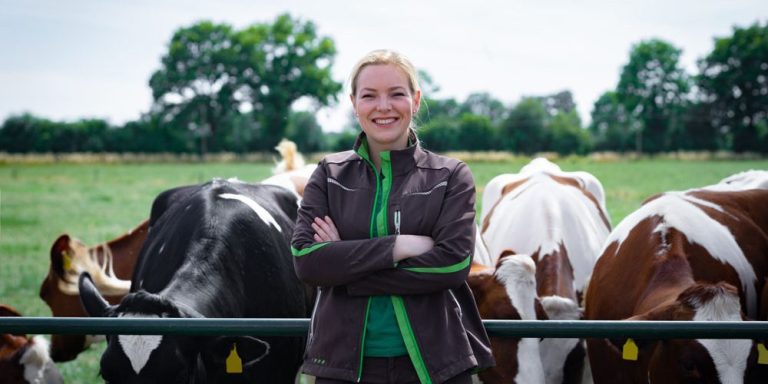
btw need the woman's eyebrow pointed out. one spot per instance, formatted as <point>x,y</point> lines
<point>395,88</point>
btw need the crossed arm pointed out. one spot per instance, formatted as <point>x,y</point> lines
<point>406,246</point>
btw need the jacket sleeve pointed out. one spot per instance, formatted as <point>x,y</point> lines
<point>447,264</point>
<point>336,262</point>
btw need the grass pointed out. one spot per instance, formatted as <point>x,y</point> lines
<point>98,202</point>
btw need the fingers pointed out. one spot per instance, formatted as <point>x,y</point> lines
<point>325,230</point>
<point>332,228</point>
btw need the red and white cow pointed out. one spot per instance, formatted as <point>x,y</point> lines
<point>24,359</point>
<point>698,255</point>
<point>110,263</point>
<point>559,220</point>
<point>508,292</point>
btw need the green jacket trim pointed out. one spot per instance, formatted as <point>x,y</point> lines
<point>302,252</point>
<point>410,340</point>
<point>449,269</point>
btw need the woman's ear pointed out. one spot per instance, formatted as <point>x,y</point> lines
<point>416,101</point>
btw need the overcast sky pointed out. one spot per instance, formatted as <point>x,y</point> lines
<point>70,59</point>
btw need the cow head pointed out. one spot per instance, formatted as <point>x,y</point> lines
<point>70,257</point>
<point>509,293</point>
<point>700,360</point>
<point>163,359</point>
<point>24,359</point>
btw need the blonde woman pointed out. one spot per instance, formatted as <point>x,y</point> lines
<point>386,232</point>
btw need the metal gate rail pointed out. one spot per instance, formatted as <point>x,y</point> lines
<point>298,327</point>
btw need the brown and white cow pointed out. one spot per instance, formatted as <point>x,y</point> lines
<point>110,263</point>
<point>24,359</point>
<point>508,292</point>
<point>698,255</point>
<point>559,219</point>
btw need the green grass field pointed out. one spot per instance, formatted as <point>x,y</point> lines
<point>98,202</point>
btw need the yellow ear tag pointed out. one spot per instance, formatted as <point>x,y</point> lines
<point>762,354</point>
<point>234,364</point>
<point>629,352</point>
<point>67,260</point>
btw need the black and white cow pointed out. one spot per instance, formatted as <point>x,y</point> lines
<point>216,250</point>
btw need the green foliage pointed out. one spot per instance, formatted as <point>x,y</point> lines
<point>476,133</point>
<point>304,130</point>
<point>440,134</point>
<point>653,90</point>
<point>610,127</point>
<point>526,130</point>
<point>734,78</point>
<point>568,137</point>
<point>483,104</point>
<point>212,73</point>
<point>26,133</point>
<point>195,88</point>
<point>280,63</point>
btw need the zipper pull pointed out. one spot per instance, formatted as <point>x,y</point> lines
<point>397,222</point>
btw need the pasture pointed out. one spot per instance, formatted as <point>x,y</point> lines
<point>97,202</point>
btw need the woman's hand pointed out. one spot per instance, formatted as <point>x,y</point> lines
<point>411,245</point>
<point>325,230</point>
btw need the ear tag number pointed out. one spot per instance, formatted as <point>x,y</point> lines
<point>629,352</point>
<point>234,364</point>
<point>67,260</point>
<point>762,354</point>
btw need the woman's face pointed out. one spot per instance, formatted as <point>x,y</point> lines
<point>384,106</point>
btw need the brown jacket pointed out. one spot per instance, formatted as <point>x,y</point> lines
<point>416,192</point>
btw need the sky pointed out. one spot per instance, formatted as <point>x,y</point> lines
<point>73,59</point>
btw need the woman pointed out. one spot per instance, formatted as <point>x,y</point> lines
<point>386,231</point>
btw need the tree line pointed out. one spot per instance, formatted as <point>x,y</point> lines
<point>223,89</point>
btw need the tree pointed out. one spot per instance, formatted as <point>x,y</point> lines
<point>195,86</point>
<point>653,90</point>
<point>568,137</point>
<point>525,129</point>
<point>439,134</point>
<point>611,127</point>
<point>483,104</point>
<point>304,130</point>
<point>279,63</point>
<point>734,78</point>
<point>437,109</point>
<point>559,102</point>
<point>212,74</point>
<point>476,133</point>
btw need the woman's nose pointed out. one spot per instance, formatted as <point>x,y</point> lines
<point>384,104</point>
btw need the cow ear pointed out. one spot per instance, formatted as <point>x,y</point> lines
<point>59,252</point>
<point>234,354</point>
<point>541,314</point>
<point>6,311</point>
<point>93,303</point>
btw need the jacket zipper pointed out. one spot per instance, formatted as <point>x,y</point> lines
<point>397,221</point>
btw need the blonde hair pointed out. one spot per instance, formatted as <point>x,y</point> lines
<point>385,57</point>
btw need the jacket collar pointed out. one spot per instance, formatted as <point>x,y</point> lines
<point>403,160</point>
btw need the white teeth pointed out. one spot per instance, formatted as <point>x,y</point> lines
<point>384,121</point>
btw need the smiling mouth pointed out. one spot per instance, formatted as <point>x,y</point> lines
<point>384,121</point>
